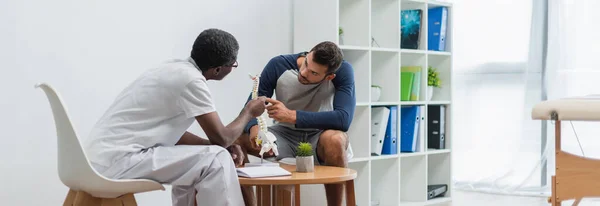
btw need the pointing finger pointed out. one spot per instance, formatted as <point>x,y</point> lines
<point>272,101</point>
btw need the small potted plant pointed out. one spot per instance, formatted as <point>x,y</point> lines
<point>304,158</point>
<point>433,80</point>
<point>341,35</point>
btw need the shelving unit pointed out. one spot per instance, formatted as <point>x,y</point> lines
<point>371,43</point>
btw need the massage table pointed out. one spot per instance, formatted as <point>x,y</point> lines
<point>575,176</point>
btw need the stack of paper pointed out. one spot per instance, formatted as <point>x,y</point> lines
<point>262,171</point>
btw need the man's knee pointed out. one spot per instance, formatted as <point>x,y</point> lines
<point>335,140</point>
<point>221,158</point>
<point>332,148</point>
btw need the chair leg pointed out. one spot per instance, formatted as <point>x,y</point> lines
<point>80,198</point>
<point>70,199</point>
<point>128,200</point>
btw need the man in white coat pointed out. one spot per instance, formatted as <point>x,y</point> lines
<point>143,133</point>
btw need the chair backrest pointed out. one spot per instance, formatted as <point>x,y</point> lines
<point>74,168</point>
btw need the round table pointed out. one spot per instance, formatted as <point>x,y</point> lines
<point>286,187</point>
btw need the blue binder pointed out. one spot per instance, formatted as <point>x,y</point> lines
<point>409,128</point>
<point>437,24</point>
<point>390,141</point>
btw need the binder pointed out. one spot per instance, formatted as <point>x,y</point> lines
<point>390,141</point>
<point>406,84</point>
<point>437,23</point>
<point>410,116</point>
<point>421,136</point>
<point>379,123</point>
<point>416,86</point>
<point>436,126</point>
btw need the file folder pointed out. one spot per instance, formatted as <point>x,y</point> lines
<point>438,19</point>
<point>379,123</point>
<point>436,126</point>
<point>410,128</point>
<point>390,141</point>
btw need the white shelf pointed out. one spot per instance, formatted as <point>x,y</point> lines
<point>438,151</point>
<point>357,48</point>
<point>438,53</point>
<point>371,44</point>
<point>384,49</point>
<point>384,103</point>
<point>413,51</point>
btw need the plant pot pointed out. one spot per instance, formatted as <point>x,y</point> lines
<point>429,93</point>
<point>375,94</point>
<point>305,164</point>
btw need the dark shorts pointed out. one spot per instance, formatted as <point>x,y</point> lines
<point>288,140</point>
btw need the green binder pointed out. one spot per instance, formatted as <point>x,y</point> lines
<point>416,88</point>
<point>406,83</point>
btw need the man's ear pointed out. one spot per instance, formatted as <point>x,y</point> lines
<point>330,77</point>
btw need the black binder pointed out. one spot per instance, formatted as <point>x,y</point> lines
<point>436,126</point>
<point>438,190</point>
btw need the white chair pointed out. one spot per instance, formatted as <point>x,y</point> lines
<point>87,187</point>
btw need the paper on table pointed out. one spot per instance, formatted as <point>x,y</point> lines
<point>269,171</point>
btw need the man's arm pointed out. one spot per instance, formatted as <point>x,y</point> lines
<point>191,139</point>
<point>344,104</point>
<point>218,133</point>
<point>267,83</point>
<point>196,101</point>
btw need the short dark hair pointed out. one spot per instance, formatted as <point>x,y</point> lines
<point>214,48</point>
<point>329,54</point>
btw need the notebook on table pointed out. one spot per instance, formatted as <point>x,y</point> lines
<point>262,171</point>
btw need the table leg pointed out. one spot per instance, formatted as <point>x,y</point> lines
<point>284,195</point>
<point>263,195</point>
<point>350,198</point>
<point>297,195</point>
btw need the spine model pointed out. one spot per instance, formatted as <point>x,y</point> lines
<point>265,138</point>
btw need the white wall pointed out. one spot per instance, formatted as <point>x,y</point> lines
<point>90,50</point>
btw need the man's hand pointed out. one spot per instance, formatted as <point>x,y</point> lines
<point>280,113</point>
<point>256,106</point>
<point>236,154</point>
<point>253,136</point>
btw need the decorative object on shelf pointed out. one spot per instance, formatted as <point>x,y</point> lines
<point>433,80</point>
<point>305,158</point>
<point>375,93</point>
<point>341,35</point>
<point>410,28</point>
<point>374,42</point>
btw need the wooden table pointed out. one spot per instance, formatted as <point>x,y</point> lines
<point>286,187</point>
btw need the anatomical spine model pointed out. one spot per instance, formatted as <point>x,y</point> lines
<point>265,138</point>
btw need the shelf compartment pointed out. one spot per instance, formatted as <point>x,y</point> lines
<point>385,75</point>
<point>361,184</point>
<point>422,36</point>
<point>385,24</point>
<point>360,129</point>
<point>385,181</point>
<point>438,167</point>
<point>448,40</point>
<point>414,62</point>
<point>434,132</point>
<point>359,59</point>
<point>443,65</point>
<point>354,19</point>
<point>413,179</point>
